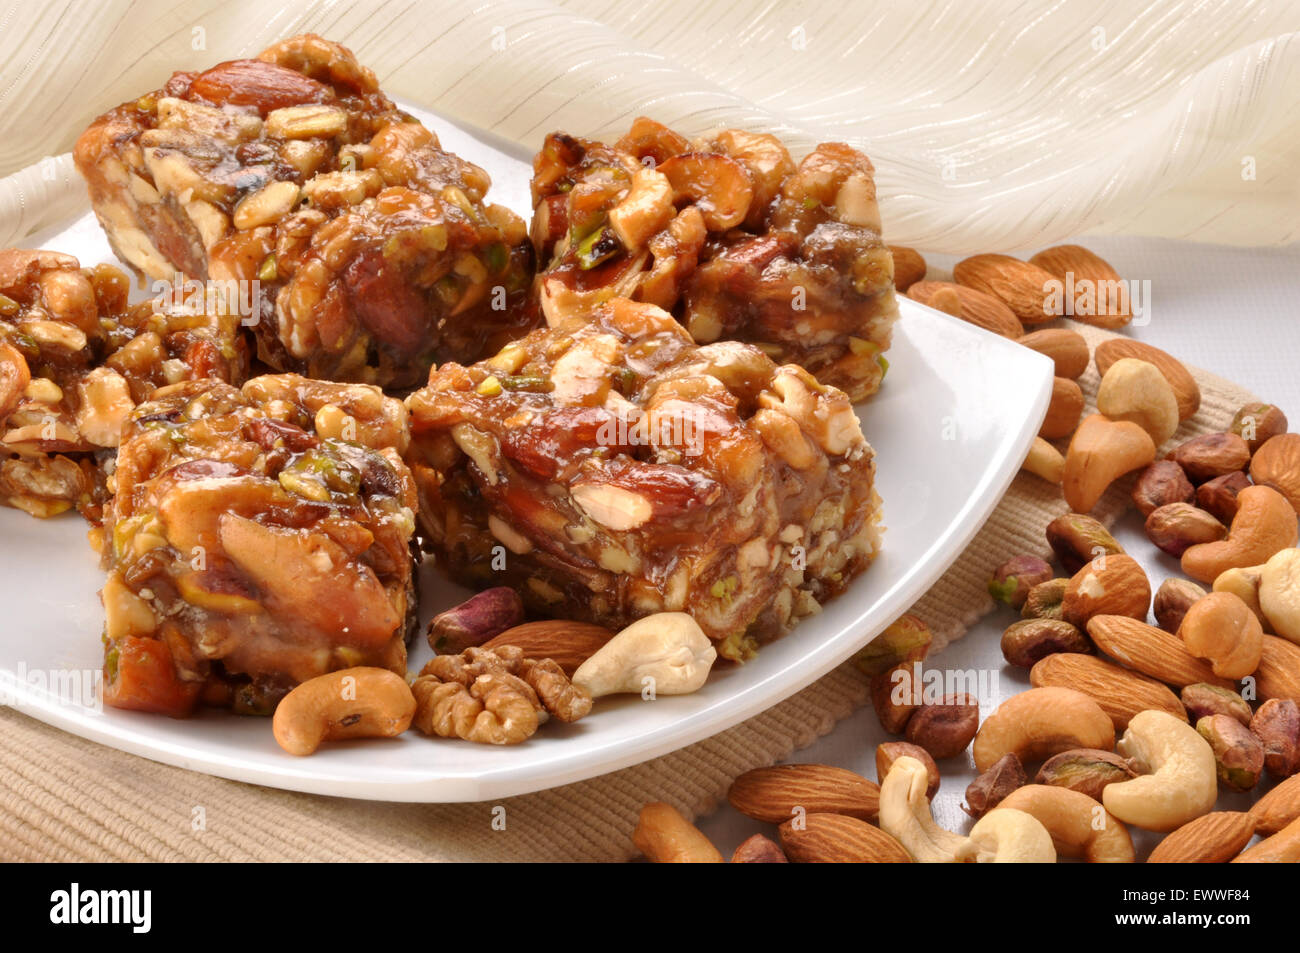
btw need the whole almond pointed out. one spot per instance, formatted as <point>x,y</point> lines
<point>1021,286</point>
<point>1278,674</point>
<point>839,839</point>
<point>974,307</point>
<point>1210,839</point>
<point>1150,651</point>
<point>1074,263</point>
<point>1067,349</point>
<point>1186,391</point>
<point>775,793</point>
<point>909,266</point>
<point>1109,585</point>
<point>1121,693</point>
<point>1281,848</point>
<point>568,643</point>
<point>1278,808</point>
<point>1064,411</point>
<point>1277,464</point>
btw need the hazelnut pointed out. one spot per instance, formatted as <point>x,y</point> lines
<point>1162,483</point>
<point>1238,754</point>
<point>988,790</point>
<point>906,640</point>
<point>1077,540</point>
<point>1175,527</point>
<point>1044,600</point>
<point>891,694</point>
<point>1086,770</point>
<point>1012,580</point>
<point>1256,423</point>
<point>1210,455</point>
<point>891,751</point>
<point>1277,726</point>
<point>1027,641</point>
<point>1173,599</point>
<point>1218,497</point>
<point>1201,699</point>
<point>945,729</point>
<point>759,850</point>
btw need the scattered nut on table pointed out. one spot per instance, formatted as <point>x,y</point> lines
<point>1180,782</point>
<point>1007,836</point>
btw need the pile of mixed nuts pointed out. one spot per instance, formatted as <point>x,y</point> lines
<point>1131,725</point>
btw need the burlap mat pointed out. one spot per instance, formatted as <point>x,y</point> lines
<point>63,798</point>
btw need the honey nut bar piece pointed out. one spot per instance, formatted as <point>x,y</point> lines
<point>75,359</point>
<point>372,249</point>
<point>610,468</point>
<point>728,234</point>
<point>258,537</point>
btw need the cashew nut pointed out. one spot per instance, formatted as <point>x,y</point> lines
<point>1181,784</point>
<point>905,815</point>
<point>1045,461</point>
<point>668,647</point>
<point>1243,582</point>
<point>1221,629</point>
<point>1041,722</point>
<point>361,702</point>
<point>665,837</point>
<point>1279,593</point>
<point>1136,391</point>
<point>1079,825</point>
<point>1007,836</point>
<point>1101,452</point>
<point>1265,523</point>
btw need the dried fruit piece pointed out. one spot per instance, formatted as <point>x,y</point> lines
<point>1011,582</point>
<point>1238,754</point>
<point>989,789</point>
<point>1030,640</point>
<point>1086,770</point>
<point>1078,539</point>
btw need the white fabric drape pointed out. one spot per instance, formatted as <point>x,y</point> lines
<point>993,125</point>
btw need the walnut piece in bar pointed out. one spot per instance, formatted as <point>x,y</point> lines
<point>609,468</point>
<point>258,537</point>
<point>373,250</point>
<point>75,359</point>
<point>728,234</point>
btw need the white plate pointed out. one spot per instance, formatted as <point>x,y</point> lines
<point>951,426</point>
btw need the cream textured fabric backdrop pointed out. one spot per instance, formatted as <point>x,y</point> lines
<point>994,125</point>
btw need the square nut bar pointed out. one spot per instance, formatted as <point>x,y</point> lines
<point>728,234</point>
<point>258,537</point>
<point>372,249</point>
<point>609,468</point>
<point>75,359</point>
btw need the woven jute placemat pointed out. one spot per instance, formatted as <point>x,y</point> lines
<point>63,798</point>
